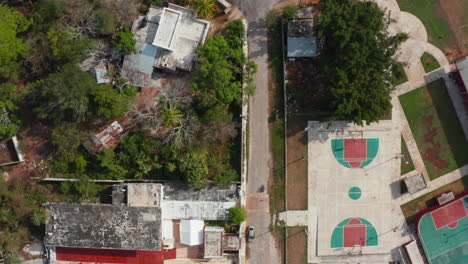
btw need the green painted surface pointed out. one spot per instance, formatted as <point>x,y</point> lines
<point>354,193</point>
<point>337,235</point>
<point>445,245</point>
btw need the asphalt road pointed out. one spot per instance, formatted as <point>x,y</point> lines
<point>263,249</point>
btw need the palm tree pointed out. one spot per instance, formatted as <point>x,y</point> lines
<point>205,8</point>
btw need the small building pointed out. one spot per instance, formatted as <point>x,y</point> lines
<point>413,253</point>
<point>213,246</point>
<point>10,153</point>
<point>302,42</point>
<point>166,38</point>
<point>101,75</point>
<point>415,183</point>
<point>108,138</point>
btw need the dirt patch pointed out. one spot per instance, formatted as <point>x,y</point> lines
<point>297,164</point>
<point>297,245</point>
<point>454,11</point>
<point>221,20</point>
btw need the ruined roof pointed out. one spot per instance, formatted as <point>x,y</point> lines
<point>144,194</point>
<point>103,226</point>
<point>197,210</point>
<point>101,75</point>
<point>213,242</point>
<point>138,66</point>
<point>180,191</point>
<point>108,138</point>
<point>231,242</point>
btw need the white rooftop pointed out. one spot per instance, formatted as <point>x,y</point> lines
<point>167,28</point>
<point>199,210</point>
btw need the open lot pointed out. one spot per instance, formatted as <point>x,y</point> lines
<point>412,208</point>
<point>446,22</point>
<point>436,128</point>
<point>297,245</point>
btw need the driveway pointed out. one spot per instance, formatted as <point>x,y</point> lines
<point>263,249</point>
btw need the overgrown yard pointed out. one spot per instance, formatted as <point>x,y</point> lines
<point>445,21</point>
<point>436,128</point>
<point>297,245</point>
<point>412,208</point>
<point>406,161</point>
<point>429,62</point>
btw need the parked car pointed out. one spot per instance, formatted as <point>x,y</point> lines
<point>251,234</point>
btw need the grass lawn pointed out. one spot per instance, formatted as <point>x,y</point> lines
<point>429,62</point>
<point>406,161</point>
<point>437,27</point>
<point>436,128</point>
<point>412,208</point>
<point>398,74</point>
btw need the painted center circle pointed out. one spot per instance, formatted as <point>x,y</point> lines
<point>354,193</point>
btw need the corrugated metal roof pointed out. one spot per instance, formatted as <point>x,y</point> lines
<point>302,47</point>
<point>138,66</point>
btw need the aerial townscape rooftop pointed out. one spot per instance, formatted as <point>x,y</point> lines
<point>234,132</point>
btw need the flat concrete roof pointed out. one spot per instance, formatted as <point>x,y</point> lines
<point>103,226</point>
<point>167,28</point>
<point>198,210</point>
<point>415,183</point>
<point>144,194</point>
<point>213,242</point>
<point>180,191</point>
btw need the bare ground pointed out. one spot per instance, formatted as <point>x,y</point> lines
<point>297,245</point>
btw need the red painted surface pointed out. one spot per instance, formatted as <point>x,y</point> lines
<point>355,151</point>
<point>114,256</point>
<point>448,214</point>
<point>354,233</point>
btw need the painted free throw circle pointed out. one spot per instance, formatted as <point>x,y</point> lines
<point>354,193</point>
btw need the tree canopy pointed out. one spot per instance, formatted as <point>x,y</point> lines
<point>12,22</point>
<point>64,96</point>
<point>9,123</point>
<point>357,59</point>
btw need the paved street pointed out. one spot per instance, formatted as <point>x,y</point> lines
<point>263,249</point>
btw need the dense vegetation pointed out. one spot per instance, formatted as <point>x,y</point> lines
<point>357,59</point>
<point>190,133</point>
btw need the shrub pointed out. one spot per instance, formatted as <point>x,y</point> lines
<point>289,12</point>
<point>125,42</point>
<point>106,22</point>
<point>238,215</point>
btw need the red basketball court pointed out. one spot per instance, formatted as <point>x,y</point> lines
<point>113,256</point>
<point>449,214</point>
<point>355,151</point>
<point>354,233</point>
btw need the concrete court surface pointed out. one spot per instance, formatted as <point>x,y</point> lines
<point>331,181</point>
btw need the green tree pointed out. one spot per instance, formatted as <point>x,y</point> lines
<point>106,22</point>
<point>218,113</point>
<point>12,22</point>
<point>357,57</point>
<point>64,96</point>
<point>9,123</point>
<point>205,8</point>
<point>289,12</point>
<point>237,215</point>
<point>125,42</point>
<point>67,137</point>
<point>218,78</point>
<point>69,45</point>
<point>195,168</point>
<point>271,19</point>
<point>235,34</point>
<point>86,188</point>
<point>110,103</point>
